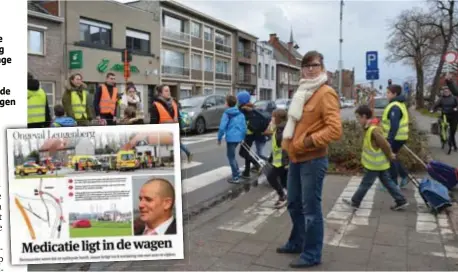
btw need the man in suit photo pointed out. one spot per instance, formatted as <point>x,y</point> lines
<point>156,201</point>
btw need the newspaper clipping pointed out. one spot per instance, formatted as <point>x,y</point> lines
<point>95,194</point>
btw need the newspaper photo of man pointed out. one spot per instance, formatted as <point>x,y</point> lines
<point>154,209</point>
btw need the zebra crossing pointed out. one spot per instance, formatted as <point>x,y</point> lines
<point>346,227</point>
<point>190,140</point>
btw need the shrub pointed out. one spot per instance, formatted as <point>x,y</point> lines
<point>345,154</point>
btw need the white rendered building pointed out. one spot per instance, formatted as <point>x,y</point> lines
<point>266,72</point>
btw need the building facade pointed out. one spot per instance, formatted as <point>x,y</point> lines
<point>348,83</point>
<point>96,34</point>
<point>288,61</point>
<point>45,31</point>
<point>245,69</point>
<point>267,72</point>
<point>196,50</point>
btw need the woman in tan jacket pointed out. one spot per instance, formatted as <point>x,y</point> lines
<point>313,122</point>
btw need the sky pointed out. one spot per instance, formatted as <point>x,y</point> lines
<point>316,27</point>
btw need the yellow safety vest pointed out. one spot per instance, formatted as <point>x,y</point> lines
<point>277,154</point>
<point>78,106</point>
<point>403,131</point>
<point>371,158</point>
<point>36,106</point>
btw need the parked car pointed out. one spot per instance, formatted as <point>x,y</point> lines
<point>200,113</point>
<point>30,168</point>
<point>283,103</point>
<point>380,104</point>
<point>266,106</point>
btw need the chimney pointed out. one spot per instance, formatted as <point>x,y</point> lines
<point>272,37</point>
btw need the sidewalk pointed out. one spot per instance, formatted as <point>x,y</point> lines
<point>243,234</point>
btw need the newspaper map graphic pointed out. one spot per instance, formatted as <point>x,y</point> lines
<point>42,211</point>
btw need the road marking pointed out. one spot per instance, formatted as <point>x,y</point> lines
<point>254,216</point>
<point>187,165</point>
<point>198,139</point>
<point>343,218</point>
<point>196,182</point>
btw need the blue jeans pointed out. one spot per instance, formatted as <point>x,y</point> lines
<point>396,168</point>
<point>232,161</point>
<point>369,179</point>
<point>184,149</point>
<point>305,186</point>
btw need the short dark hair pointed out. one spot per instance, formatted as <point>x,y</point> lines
<point>280,115</point>
<point>395,89</point>
<point>59,110</point>
<point>110,74</point>
<point>364,110</point>
<point>160,88</point>
<point>310,56</point>
<point>231,100</point>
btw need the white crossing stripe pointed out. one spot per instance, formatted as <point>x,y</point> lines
<point>186,165</point>
<point>196,182</point>
<point>254,216</point>
<point>346,218</point>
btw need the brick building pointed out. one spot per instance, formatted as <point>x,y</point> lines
<point>45,58</point>
<point>288,61</point>
<point>348,82</point>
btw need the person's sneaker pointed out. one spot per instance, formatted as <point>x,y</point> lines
<point>281,202</point>
<point>189,158</point>
<point>399,206</point>
<point>245,176</point>
<point>404,183</point>
<point>234,180</point>
<point>350,203</point>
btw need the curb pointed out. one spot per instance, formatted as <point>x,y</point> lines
<point>452,214</point>
<point>233,192</point>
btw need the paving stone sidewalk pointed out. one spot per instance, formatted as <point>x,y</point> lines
<point>393,241</point>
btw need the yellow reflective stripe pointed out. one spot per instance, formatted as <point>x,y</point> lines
<point>373,159</point>
<point>277,154</point>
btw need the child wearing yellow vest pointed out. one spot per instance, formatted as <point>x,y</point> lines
<point>279,158</point>
<point>375,158</point>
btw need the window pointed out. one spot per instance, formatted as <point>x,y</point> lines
<point>196,30</point>
<point>222,67</point>
<point>196,62</point>
<point>49,88</point>
<point>259,70</point>
<point>208,34</point>
<point>208,64</point>
<point>36,42</point>
<point>172,58</point>
<point>137,41</point>
<point>220,100</point>
<point>222,39</point>
<point>211,101</point>
<point>266,74</point>
<point>240,46</point>
<point>272,73</point>
<point>95,33</point>
<point>253,69</point>
<point>172,23</point>
<point>222,91</point>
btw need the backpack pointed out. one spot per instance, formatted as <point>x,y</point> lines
<point>258,121</point>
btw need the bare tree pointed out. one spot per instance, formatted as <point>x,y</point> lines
<point>410,41</point>
<point>442,20</point>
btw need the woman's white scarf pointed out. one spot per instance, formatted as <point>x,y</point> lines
<point>126,99</point>
<point>307,87</point>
